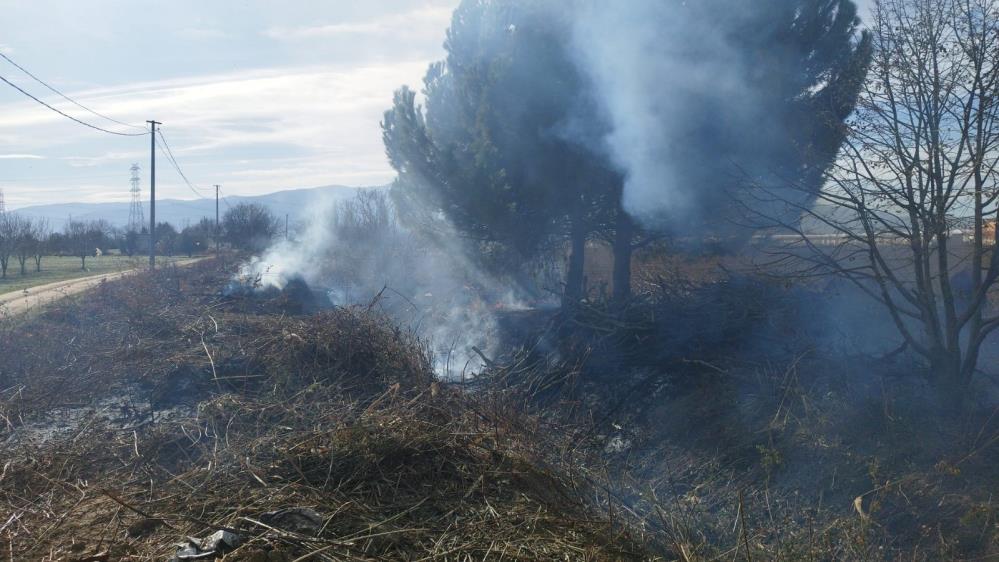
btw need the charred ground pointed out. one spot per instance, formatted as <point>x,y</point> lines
<point>157,408</point>
<point>728,416</point>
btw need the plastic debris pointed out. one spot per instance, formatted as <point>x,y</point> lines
<point>208,548</point>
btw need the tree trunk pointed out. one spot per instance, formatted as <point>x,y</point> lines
<point>38,264</point>
<point>23,261</point>
<point>83,262</point>
<point>947,376</point>
<point>577,259</point>
<point>623,249</point>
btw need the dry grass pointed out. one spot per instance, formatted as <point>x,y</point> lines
<point>64,268</point>
<point>397,477</point>
<point>231,414</point>
<point>182,412</point>
<point>712,419</point>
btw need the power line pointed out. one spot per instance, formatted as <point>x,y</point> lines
<point>65,97</point>
<point>180,173</point>
<point>176,165</point>
<point>226,201</point>
<point>68,116</point>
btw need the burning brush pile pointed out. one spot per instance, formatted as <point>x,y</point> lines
<point>264,437</point>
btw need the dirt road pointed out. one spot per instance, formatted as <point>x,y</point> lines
<point>20,302</point>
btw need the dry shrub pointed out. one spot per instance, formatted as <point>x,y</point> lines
<point>353,348</point>
<point>337,413</point>
<point>397,476</point>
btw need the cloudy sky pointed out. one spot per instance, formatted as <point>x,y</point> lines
<point>256,95</point>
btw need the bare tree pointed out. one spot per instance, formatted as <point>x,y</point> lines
<point>83,238</point>
<point>24,242</point>
<point>249,226</point>
<point>906,207</point>
<point>368,247</point>
<point>8,231</point>
<point>14,231</point>
<point>41,242</point>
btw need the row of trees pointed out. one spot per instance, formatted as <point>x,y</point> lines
<point>25,241</point>
<point>192,239</point>
<point>245,226</point>
<point>22,240</point>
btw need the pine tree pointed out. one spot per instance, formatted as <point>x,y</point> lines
<point>510,148</point>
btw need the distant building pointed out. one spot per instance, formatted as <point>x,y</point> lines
<point>988,233</point>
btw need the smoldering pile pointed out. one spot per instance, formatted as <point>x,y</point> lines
<point>360,254</point>
<point>295,295</point>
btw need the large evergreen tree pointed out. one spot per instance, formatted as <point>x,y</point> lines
<point>498,150</point>
<point>808,61</point>
<point>708,98</point>
<point>511,147</point>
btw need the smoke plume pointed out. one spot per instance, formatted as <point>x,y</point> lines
<point>657,74</point>
<point>358,253</point>
<point>707,99</point>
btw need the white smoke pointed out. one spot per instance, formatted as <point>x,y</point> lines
<point>652,64</point>
<point>285,259</point>
<point>434,289</point>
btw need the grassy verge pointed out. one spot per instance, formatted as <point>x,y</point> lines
<point>66,268</point>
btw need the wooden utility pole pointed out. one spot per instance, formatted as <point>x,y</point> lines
<point>152,193</point>
<point>218,231</point>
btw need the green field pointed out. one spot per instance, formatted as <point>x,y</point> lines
<point>64,268</point>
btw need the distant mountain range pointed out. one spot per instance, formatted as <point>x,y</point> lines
<point>294,202</point>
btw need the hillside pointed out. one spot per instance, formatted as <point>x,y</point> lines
<point>293,202</point>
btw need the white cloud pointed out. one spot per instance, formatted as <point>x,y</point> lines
<point>6,49</point>
<point>21,157</point>
<point>109,157</point>
<point>238,108</point>
<point>297,106</point>
<point>436,18</point>
<point>295,127</point>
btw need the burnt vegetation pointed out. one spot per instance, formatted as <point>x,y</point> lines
<point>658,281</point>
<point>182,411</point>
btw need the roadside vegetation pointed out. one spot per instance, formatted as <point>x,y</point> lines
<point>323,435</point>
<point>185,409</point>
<point>33,254</point>
<point>681,319</point>
<point>66,268</point>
